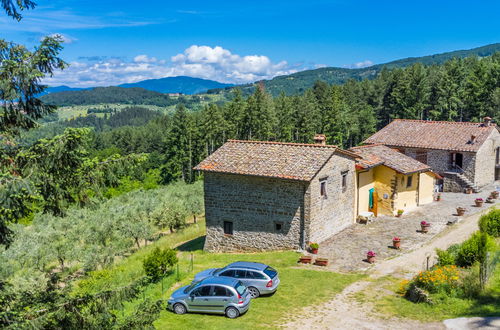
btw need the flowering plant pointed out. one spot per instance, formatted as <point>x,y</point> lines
<point>441,278</point>
<point>370,254</point>
<point>396,239</point>
<point>424,223</point>
<point>400,212</point>
<point>479,199</point>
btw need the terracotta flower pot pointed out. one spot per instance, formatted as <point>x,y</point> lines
<point>321,262</point>
<point>314,251</point>
<point>479,203</point>
<point>396,244</point>
<point>370,259</point>
<point>495,194</point>
<point>424,228</point>
<point>305,259</point>
<point>468,191</point>
<point>460,211</point>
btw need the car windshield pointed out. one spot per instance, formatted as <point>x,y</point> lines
<point>271,272</point>
<point>192,286</point>
<point>240,288</point>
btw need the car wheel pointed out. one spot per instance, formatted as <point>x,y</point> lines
<point>232,312</point>
<point>180,308</point>
<point>254,292</point>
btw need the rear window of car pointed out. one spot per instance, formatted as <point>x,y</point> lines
<point>240,288</point>
<point>271,272</point>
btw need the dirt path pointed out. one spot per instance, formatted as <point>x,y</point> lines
<point>344,312</point>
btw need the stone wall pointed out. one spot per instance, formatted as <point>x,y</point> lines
<point>486,160</point>
<point>439,161</point>
<point>254,205</point>
<point>328,216</point>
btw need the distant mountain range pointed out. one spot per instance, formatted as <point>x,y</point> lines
<point>180,84</point>
<point>297,83</point>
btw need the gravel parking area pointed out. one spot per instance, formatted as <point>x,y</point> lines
<point>346,251</point>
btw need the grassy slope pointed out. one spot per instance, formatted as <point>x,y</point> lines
<point>299,287</point>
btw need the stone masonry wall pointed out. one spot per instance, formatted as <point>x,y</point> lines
<point>439,161</point>
<point>486,160</point>
<point>330,215</point>
<point>254,205</point>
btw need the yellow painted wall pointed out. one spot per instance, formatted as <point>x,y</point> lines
<point>365,183</point>
<point>407,196</point>
<point>382,176</point>
<point>426,188</point>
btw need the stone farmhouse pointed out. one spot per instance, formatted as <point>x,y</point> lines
<point>388,181</point>
<point>277,196</point>
<point>465,154</point>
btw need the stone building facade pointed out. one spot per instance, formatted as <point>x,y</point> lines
<point>465,154</point>
<point>276,196</point>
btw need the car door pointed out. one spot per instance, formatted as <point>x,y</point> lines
<point>241,274</point>
<point>218,299</point>
<point>199,299</point>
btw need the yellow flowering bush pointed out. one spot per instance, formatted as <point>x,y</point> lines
<point>441,278</point>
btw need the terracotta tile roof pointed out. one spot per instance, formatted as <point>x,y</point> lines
<point>442,135</point>
<point>293,161</point>
<point>377,154</point>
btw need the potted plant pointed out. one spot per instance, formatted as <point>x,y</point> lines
<point>370,256</point>
<point>438,197</point>
<point>305,259</point>
<point>314,248</point>
<point>396,242</point>
<point>321,262</point>
<point>468,190</point>
<point>424,226</point>
<point>479,202</point>
<point>400,213</point>
<point>460,211</point>
<point>490,199</point>
<point>494,194</point>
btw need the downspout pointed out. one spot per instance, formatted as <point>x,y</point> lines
<point>302,219</point>
<point>418,189</point>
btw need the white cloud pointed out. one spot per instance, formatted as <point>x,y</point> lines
<point>64,37</point>
<point>359,65</point>
<point>215,63</point>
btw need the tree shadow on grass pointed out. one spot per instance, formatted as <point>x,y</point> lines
<point>192,245</point>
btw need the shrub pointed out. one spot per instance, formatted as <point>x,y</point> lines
<point>314,246</point>
<point>445,257</point>
<point>440,279</point>
<point>470,283</point>
<point>474,249</point>
<point>490,223</point>
<point>157,263</point>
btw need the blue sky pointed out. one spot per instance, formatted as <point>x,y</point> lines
<point>110,42</point>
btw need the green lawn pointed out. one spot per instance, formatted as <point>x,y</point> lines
<point>300,287</point>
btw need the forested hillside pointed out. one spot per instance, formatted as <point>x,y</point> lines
<point>297,83</point>
<point>135,96</point>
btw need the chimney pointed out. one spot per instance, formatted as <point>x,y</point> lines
<point>320,139</point>
<point>487,121</point>
<point>472,139</point>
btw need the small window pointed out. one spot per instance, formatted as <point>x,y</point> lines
<point>255,275</point>
<point>409,182</point>
<point>228,273</point>
<point>228,227</point>
<point>344,180</point>
<point>278,226</point>
<point>322,185</point>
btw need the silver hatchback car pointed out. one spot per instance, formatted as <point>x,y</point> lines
<point>258,278</point>
<point>218,295</point>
